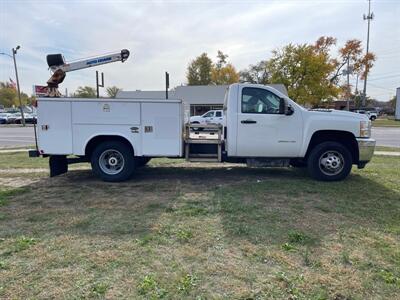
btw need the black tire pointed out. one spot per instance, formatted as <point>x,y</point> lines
<point>119,153</point>
<point>337,158</point>
<point>373,118</point>
<point>142,161</point>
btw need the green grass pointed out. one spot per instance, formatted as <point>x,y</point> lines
<point>388,149</point>
<point>386,123</point>
<point>21,160</point>
<point>192,231</point>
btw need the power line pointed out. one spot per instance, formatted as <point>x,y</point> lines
<point>383,88</point>
<point>385,77</point>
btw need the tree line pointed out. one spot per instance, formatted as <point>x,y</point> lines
<point>9,94</point>
<point>312,73</point>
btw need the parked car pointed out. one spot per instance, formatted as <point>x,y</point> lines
<point>4,118</point>
<point>12,117</point>
<point>372,115</point>
<point>210,117</point>
<point>29,119</point>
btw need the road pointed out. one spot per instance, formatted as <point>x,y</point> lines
<point>16,136</point>
<point>387,136</point>
<point>20,136</point>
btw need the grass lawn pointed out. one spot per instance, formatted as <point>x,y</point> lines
<point>388,149</point>
<point>386,123</point>
<point>193,231</point>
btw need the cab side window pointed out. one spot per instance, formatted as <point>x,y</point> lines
<point>259,101</point>
<point>218,114</point>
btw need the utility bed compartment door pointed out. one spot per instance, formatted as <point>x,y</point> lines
<point>161,129</point>
<point>54,127</point>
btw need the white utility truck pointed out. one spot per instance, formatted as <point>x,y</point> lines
<point>210,117</point>
<point>262,128</point>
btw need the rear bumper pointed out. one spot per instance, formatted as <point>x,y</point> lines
<point>366,147</point>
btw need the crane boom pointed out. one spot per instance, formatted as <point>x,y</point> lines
<point>59,67</point>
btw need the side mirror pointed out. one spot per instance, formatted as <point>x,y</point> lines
<point>285,108</point>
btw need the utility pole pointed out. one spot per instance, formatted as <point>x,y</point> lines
<point>14,51</point>
<point>97,82</point>
<point>369,17</point>
<point>348,84</point>
<point>166,84</point>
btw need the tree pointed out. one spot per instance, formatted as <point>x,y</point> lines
<point>112,91</point>
<point>351,62</point>
<point>257,73</point>
<point>392,103</point>
<point>223,72</point>
<point>199,70</point>
<point>9,96</point>
<point>305,70</point>
<point>85,92</point>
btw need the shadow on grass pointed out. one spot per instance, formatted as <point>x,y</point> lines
<point>258,205</point>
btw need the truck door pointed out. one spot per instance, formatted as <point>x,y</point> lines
<point>161,129</point>
<point>209,117</point>
<point>262,130</point>
<point>218,117</point>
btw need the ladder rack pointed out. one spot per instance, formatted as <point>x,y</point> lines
<point>199,136</point>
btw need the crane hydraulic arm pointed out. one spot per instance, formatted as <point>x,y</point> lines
<point>59,67</point>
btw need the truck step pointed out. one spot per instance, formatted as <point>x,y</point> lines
<point>203,159</point>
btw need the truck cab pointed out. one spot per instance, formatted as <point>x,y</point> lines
<point>264,124</point>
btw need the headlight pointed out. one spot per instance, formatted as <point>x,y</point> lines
<point>365,128</point>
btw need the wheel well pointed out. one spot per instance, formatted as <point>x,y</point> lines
<point>91,145</point>
<point>345,138</point>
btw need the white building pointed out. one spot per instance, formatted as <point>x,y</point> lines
<point>197,99</point>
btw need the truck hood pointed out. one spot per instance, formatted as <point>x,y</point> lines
<point>339,113</point>
<point>195,118</point>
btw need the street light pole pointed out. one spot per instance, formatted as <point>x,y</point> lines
<point>14,51</point>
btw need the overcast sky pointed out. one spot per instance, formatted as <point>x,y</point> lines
<point>166,35</point>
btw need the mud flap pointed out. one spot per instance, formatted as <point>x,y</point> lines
<point>58,165</point>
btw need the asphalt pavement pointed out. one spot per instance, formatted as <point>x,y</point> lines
<point>387,136</point>
<point>17,136</point>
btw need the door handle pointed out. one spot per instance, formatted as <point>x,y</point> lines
<point>248,122</point>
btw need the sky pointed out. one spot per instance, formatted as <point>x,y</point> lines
<point>167,35</point>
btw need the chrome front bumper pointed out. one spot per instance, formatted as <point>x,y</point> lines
<point>366,147</point>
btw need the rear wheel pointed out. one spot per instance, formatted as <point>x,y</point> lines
<point>113,161</point>
<point>329,161</point>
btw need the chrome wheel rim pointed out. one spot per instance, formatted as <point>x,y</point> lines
<point>111,162</point>
<point>331,163</point>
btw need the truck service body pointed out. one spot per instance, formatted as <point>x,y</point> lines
<point>261,126</point>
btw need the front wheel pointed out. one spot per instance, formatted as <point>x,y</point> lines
<point>113,161</point>
<point>329,161</point>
